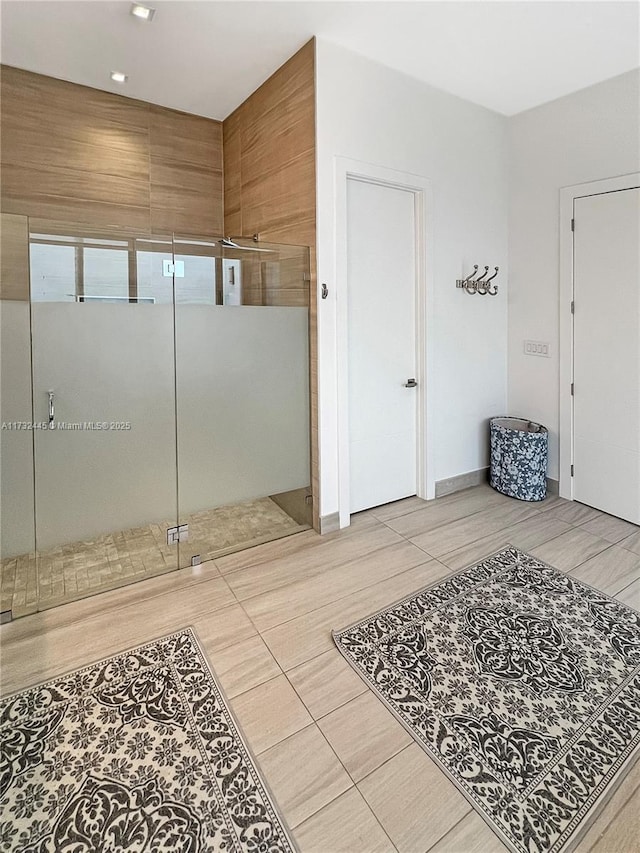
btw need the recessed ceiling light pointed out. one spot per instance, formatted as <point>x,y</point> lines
<point>143,12</point>
<point>119,77</point>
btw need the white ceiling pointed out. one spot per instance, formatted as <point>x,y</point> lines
<point>206,57</point>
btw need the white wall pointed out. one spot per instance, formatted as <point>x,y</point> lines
<point>587,136</point>
<point>370,113</point>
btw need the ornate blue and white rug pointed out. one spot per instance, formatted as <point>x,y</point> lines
<point>522,683</point>
<point>136,753</point>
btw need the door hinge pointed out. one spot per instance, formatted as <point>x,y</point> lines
<point>572,389</point>
<point>177,534</point>
<point>573,225</point>
<point>573,307</point>
<point>572,470</point>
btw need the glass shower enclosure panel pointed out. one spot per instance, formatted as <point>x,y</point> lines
<point>160,390</point>
<point>242,394</point>
<point>17,533</point>
<point>102,331</point>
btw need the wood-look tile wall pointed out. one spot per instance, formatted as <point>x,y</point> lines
<point>270,182</point>
<point>80,155</point>
<point>94,158</point>
<point>14,257</point>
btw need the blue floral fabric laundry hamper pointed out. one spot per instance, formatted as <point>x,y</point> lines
<point>519,458</point>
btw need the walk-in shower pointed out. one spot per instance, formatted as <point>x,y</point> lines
<point>155,404</point>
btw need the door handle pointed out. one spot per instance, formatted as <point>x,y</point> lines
<point>410,383</point>
<point>51,411</point>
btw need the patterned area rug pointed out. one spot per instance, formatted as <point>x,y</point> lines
<point>521,683</point>
<point>139,753</point>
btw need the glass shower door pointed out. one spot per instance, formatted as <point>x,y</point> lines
<point>242,394</point>
<point>104,406</point>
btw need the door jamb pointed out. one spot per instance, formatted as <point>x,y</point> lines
<point>568,195</point>
<point>346,169</point>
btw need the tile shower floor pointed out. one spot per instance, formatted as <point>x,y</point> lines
<point>72,571</point>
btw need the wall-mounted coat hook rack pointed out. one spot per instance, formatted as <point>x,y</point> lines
<point>474,283</point>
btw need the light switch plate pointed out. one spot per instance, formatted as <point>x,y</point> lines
<point>540,348</point>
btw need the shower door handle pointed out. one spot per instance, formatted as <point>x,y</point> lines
<point>410,383</point>
<point>51,411</point>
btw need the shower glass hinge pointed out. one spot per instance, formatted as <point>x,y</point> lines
<point>177,534</point>
<point>172,268</point>
<point>572,470</point>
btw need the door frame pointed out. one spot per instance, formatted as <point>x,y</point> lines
<point>568,195</point>
<point>347,169</point>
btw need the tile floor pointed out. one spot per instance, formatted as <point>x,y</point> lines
<point>346,775</point>
<point>78,569</point>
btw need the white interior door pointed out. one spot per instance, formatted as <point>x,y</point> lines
<point>606,403</point>
<point>381,285</point>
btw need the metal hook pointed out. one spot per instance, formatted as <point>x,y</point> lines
<point>480,284</point>
<point>471,274</point>
<point>469,283</point>
<point>492,289</point>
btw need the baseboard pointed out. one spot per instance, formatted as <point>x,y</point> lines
<point>461,481</point>
<point>329,523</point>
